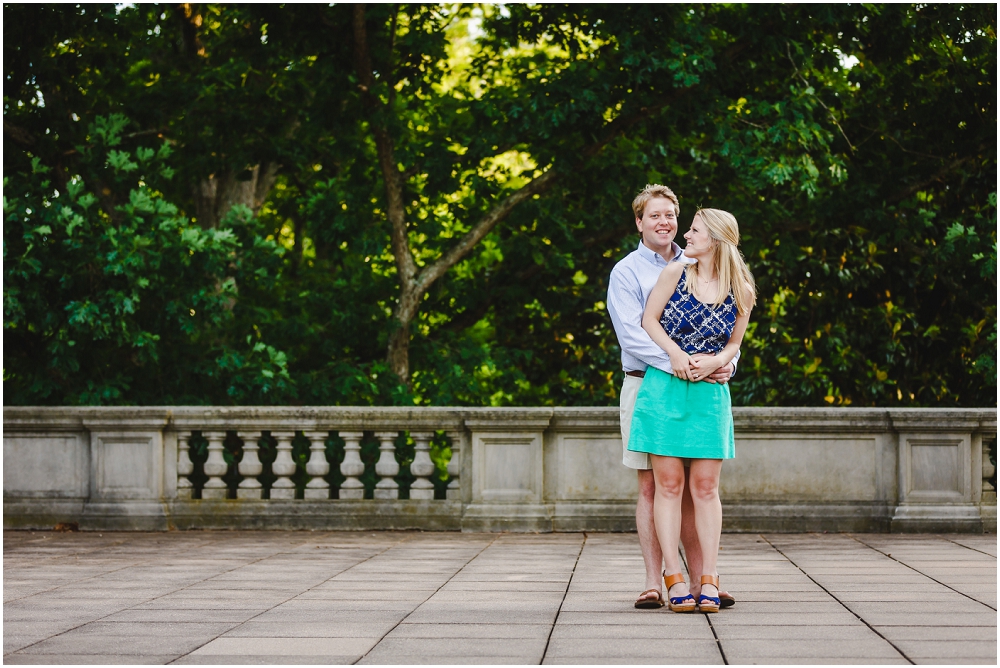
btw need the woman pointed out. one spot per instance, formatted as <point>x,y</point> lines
<point>698,314</point>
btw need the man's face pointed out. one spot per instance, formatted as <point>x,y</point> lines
<point>658,225</point>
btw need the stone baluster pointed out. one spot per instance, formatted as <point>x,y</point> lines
<point>988,468</point>
<point>454,492</point>
<point>352,466</point>
<point>185,467</point>
<point>317,467</point>
<point>283,466</point>
<point>250,467</point>
<point>215,466</point>
<point>422,466</point>
<point>387,467</point>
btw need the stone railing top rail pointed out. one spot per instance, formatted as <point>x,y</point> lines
<point>747,419</point>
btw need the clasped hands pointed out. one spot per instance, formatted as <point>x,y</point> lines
<point>700,367</point>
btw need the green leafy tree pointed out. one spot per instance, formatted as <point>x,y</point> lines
<point>425,201</point>
<point>113,303</point>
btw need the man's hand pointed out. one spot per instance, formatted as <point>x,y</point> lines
<point>720,375</point>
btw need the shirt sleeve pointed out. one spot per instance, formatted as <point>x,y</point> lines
<point>625,306</point>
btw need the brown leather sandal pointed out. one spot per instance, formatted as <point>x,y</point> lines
<point>709,603</point>
<point>644,603</point>
<point>677,603</point>
<point>726,599</point>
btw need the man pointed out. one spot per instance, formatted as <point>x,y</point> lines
<point>656,210</point>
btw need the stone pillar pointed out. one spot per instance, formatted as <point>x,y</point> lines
<point>283,466</point>
<point>317,467</point>
<point>387,466</point>
<point>215,466</point>
<point>508,471</point>
<point>128,464</point>
<point>185,467</point>
<point>938,488</point>
<point>352,467</point>
<point>250,467</point>
<point>454,492</point>
<point>422,467</point>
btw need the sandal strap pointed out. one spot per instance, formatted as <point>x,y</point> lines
<point>671,580</point>
<point>677,600</point>
<point>710,580</point>
<point>651,591</point>
<point>709,598</point>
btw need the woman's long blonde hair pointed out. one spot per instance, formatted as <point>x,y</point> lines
<point>730,268</point>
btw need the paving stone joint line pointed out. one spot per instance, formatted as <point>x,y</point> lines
<point>834,597</point>
<point>562,602</point>
<point>992,556</point>
<point>417,607</point>
<point>929,577</point>
<point>262,559</point>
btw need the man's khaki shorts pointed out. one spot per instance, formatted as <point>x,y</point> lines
<point>630,389</point>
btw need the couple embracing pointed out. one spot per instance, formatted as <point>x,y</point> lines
<point>680,317</point>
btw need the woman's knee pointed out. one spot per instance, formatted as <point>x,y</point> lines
<point>704,488</point>
<point>670,484</point>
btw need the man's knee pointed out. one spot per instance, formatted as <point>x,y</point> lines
<point>647,485</point>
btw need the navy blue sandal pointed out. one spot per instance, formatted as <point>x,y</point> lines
<point>678,603</point>
<point>709,603</point>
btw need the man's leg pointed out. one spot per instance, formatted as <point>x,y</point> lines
<point>648,544</point>
<point>652,557</point>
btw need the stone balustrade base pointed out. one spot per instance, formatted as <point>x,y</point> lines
<point>531,469</point>
<point>439,515</point>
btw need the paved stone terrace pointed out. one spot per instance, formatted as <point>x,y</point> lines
<point>412,598</point>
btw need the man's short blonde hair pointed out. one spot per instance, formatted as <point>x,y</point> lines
<point>648,193</point>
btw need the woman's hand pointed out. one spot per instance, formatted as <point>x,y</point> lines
<point>703,365</point>
<point>680,362</point>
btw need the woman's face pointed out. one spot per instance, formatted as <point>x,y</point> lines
<point>699,243</point>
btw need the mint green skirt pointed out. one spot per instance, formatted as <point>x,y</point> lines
<point>678,418</point>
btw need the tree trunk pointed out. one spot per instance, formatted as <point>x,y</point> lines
<point>398,355</point>
<point>216,195</point>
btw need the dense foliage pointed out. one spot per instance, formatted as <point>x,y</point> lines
<point>210,204</point>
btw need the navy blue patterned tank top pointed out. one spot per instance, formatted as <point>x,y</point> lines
<point>698,327</point>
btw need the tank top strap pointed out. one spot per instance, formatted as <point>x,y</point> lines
<point>682,281</point>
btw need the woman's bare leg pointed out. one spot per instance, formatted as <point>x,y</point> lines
<point>668,472</point>
<point>704,481</point>
<point>689,537</point>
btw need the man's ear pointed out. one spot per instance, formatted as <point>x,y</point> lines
<point>638,224</point>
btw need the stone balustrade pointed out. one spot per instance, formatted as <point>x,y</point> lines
<point>516,469</point>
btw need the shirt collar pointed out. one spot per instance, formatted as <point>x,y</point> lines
<point>652,256</point>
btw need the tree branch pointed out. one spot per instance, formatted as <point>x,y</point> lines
<point>539,184</point>
<point>436,270</point>
<point>618,126</point>
<point>788,50</point>
<point>906,192</point>
<point>18,134</point>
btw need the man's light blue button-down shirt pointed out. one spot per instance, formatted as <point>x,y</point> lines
<point>631,281</point>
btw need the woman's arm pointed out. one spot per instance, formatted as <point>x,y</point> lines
<point>680,362</point>
<point>704,366</point>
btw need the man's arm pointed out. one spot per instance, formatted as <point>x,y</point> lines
<point>625,307</point>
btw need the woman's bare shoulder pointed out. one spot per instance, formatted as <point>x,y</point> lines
<point>672,272</point>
